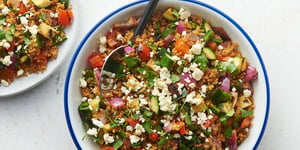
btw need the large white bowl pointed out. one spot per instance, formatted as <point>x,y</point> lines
<point>65,50</point>
<point>89,43</point>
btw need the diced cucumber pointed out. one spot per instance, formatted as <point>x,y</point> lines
<point>166,61</point>
<point>154,106</point>
<point>169,15</point>
<point>209,53</point>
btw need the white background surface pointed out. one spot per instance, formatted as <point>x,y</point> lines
<point>35,120</point>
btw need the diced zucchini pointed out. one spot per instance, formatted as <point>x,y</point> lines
<point>201,107</point>
<point>169,15</point>
<point>166,61</point>
<point>209,53</point>
<point>133,103</point>
<point>47,31</point>
<point>24,59</point>
<point>95,105</point>
<point>207,27</point>
<point>243,102</point>
<point>41,3</point>
<point>240,62</point>
<point>225,107</point>
<point>154,106</point>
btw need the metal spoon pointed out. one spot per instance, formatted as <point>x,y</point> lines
<point>113,60</point>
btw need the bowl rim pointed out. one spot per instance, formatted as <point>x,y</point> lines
<point>202,4</point>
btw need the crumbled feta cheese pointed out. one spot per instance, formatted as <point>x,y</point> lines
<point>143,100</point>
<point>122,120</point>
<point>33,29</point>
<point>188,57</point>
<point>108,139</point>
<point>165,103</point>
<point>197,74</point>
<point>20,72</point>
<point>5,10</point>
<point>93,132</point>
<point>24,20</point>
<point>6,60</point>
<point>6,45</point>
<point>247,93</point>
<point>176,135</point>
<point>201,118</point>
<point>119,37</point>
<point>84,99</point>
<point>184,14</point>
<point>53,15</point>
<point>151,54</point>
<point>233,89</point>
<point>148,146</point>
<point>134,139</point>
<point>125,90</point>
<point>97,123</point>
<point>83,83</point>
<point>129,128</point>
<point>165,122</point>
<point>220,47</point>
<point>197,48</point>
<point>102,40</point>
<point>139,129</point>
<point>4,82</point>
<point>190,98</point>
<point>188,137</point>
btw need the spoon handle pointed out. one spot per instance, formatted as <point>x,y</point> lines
<point>146,16</point>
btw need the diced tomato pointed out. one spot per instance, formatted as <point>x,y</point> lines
<point>222,58</point>
<point>132,122</point>
<point>108,148</point>
<point>153,136</point>
<point>96,60</point>
<point>182,47</point>
<point>65,17</point>
<point>246,122</point>
<point>209,122</point>
<point>40,60</point>
<point>7,75</point>
<point>22,8</point>
<point>179,126</point>
<point>145,53</point>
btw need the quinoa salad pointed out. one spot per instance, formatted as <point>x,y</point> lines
<point>30,33</point>
<point>182,84</point>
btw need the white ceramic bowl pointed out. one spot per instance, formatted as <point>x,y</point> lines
<point>89,43</point>
<point>65,50</point>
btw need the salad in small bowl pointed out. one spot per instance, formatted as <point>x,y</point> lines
<point>192,80</point>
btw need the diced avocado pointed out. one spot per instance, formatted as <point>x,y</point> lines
<point>243,102</point>
<point>154,106</point>
<point>95,104</point>
<point>47,31</point>
<point>209,53</point>
<point>166,61</point>
<point>169,15</point>
<point>42,3</point>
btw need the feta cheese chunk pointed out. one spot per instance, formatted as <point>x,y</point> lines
<point>108,139</point>
<point>134,139</point>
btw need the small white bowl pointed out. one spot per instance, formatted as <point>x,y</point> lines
<point>89,43</point>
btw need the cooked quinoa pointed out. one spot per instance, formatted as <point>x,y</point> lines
<point>183,84</point>
<point>30,35</point>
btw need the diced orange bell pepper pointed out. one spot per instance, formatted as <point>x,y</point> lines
<point>65,17</point>
<point>182,47</point>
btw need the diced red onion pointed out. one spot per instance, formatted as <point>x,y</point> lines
<point>13,59</point>
<point>251,73</point>
<point>180,27</point>
<point>221,32</point>
<point>225,84</point>
<point>128,49</point>
<point>117,103</point>
<point>193,37</point>
<point>187,79</point>
<point>168,39</point>
<point>167,128</point>
<point>232,141</point>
